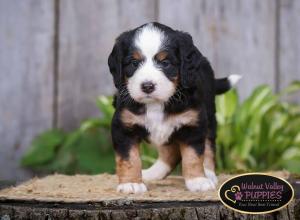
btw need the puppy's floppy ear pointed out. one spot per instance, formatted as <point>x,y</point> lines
<point>115,64</point>
<point>192,63</point>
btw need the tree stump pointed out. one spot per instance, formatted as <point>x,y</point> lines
<point>94,197</point>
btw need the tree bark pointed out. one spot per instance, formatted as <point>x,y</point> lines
<point>134,210</point>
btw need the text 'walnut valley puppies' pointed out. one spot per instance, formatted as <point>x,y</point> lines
<point>165,95</point>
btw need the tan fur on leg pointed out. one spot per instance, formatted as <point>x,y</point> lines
<point>209,156</point>
<point>192,164</point>
<point>209,162</point>
<point>129,169</point>
<point>129,172</point>
<point>193,170</point>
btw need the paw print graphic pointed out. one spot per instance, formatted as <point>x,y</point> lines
<point>238,196</point>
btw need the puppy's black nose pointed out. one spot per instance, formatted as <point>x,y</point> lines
<point>147,87</point>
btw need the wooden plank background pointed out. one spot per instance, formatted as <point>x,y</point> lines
<point>26,78</point>
<point>86,36</point>
<point>53,55</point>
<point>289,44</point>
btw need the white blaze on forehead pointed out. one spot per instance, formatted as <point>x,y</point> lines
<point>149,40</point>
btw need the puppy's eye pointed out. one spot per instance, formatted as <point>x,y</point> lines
<point>135,63</point>
<point>165,62</point>
<point>129,74</point>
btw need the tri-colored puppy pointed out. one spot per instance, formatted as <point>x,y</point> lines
<point>165,95</point>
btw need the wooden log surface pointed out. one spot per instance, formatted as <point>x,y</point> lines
<point>128,207</point>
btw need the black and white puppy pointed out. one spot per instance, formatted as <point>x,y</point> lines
<point>165,95</point>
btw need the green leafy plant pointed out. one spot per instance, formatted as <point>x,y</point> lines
<point>87,149</point>
<point>257,134</point>
<point>260,133</point>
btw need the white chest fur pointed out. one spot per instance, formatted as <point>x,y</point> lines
<point>160,126</point>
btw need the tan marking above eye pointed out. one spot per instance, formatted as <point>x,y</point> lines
<point>160,56</point>
<point>137,55</point>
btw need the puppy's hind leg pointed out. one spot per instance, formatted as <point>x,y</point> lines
<point>169,156</point>
<point>209,160</point>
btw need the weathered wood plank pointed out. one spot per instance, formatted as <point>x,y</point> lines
<point>289,44</point>
<point>238,37</point>
<point>87,33</point>
<point>26,78</point>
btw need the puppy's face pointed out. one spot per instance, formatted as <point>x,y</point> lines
<point>151,68</point>
<point>148,63</point>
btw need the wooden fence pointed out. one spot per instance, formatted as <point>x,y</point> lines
<point>53,55</point>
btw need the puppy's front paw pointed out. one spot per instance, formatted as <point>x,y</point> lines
<point>210,174</point>
<point>199,184</point>
<point>132,188</point>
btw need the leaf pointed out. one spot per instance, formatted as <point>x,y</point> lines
<point>93,151</point>
<point>89,124</point>
<point>292,165</point>
<point>105,106</point>
<point>259,95</point>
<point>291,88</point>
<point>291,153</point>
<point>43,148</point>
<point>87,151</point>
<point>261,128</point>
<point>226,105</point>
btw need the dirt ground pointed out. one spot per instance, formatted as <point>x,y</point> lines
<point>87,188</point>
